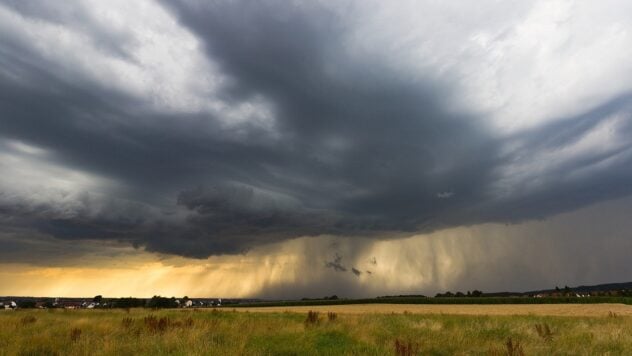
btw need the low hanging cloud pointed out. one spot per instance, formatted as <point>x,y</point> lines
<point>216,127</point>
<point>336,264</point>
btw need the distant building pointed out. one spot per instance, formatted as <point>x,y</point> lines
<point>8,305</point>
<point>69,305</point>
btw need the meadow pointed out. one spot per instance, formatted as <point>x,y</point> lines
<point>246,332</point>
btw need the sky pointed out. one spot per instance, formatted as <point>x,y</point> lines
<point>288,149</point>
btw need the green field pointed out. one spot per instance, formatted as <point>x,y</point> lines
<point>227,332</point>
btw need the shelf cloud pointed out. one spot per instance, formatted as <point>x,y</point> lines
<point>206,128</point>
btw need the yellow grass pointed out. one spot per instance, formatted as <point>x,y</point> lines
<point>604,329</point>
<point>461,309</point>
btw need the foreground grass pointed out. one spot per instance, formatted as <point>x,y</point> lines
<point>187,332</point>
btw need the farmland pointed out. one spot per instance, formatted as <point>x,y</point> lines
<point>593,310</point>
<point>378,329</point>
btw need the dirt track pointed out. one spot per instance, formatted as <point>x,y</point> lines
<point>496,309</point>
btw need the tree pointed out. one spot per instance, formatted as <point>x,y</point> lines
<point>128,303</point>
<point>97,298</point>
<point>162,302</point>
<point>26,304</point>
<point>447,294</point>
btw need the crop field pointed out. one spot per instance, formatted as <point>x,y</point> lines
<point>460,309</point>
<point>604,329</point>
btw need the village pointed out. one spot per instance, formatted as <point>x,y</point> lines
<point>158,302</point>
<point>98,302</point>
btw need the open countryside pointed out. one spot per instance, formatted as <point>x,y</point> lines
<point>591,310</point>
<point>604,329</point>
<point>315,177</point>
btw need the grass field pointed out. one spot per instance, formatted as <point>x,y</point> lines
<point>351,331</point>
<point>459,309</point>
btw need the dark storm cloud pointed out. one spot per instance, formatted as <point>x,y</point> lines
<point>588,176</point>
<point>380,146</point>
<point>357,147</point>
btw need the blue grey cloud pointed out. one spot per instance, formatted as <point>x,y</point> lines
<point>352,146</point>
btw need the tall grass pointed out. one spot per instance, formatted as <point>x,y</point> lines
<point>312,318</point>
<point>544,331</point>
<point>224,332</point>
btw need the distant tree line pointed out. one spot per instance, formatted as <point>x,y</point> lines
<point>127,303</point>
<point>162,302</point>
<point>156,302</point>
<point>333,297</point>
<point>557,292</point>
<point>475,293</point>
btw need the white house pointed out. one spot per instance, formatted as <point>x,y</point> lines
<point>9,305</point>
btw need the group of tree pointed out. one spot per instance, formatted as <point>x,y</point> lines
<point>475,293</point>
<point>333,297</point>
<point>162,302</point>
<point>127,303</point>
<point>155,302</point>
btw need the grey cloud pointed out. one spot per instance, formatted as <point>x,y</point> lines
<point>336,264</point>
<point>357,148</point>
<point>23,246</point>
<point>76,15</point>
<point>445,195</point>
<point>588,177</point>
